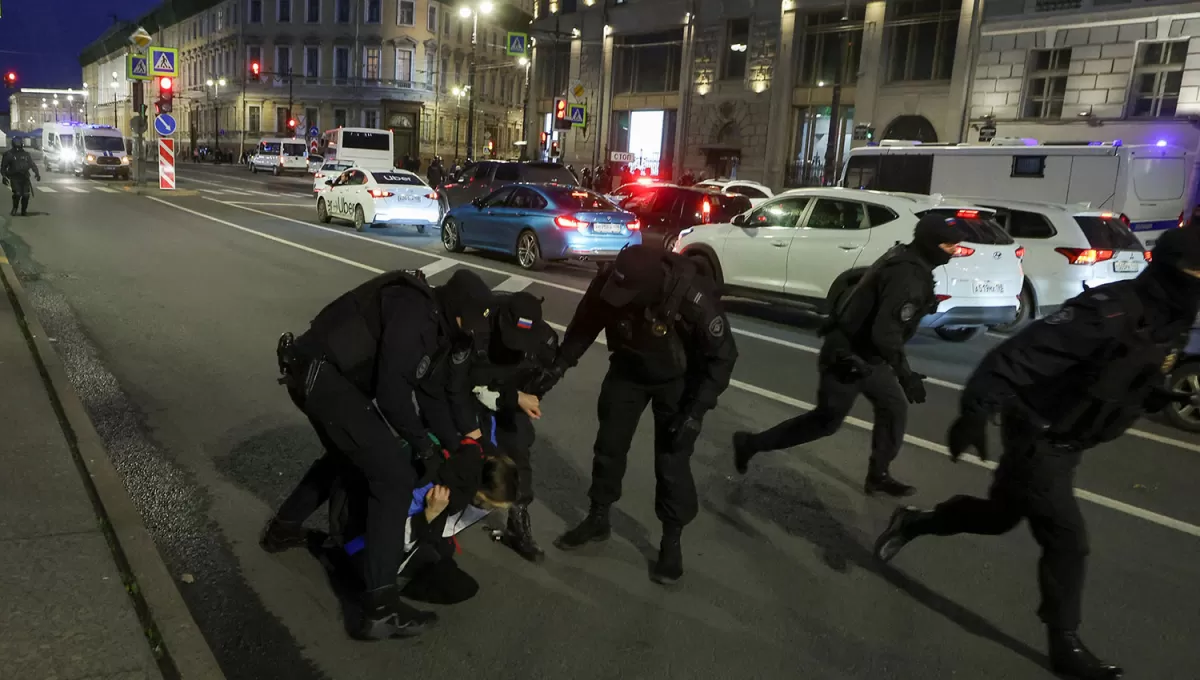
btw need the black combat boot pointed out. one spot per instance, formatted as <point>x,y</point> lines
<point>16,207</point>
<point>593,529</point>
<point>742,451</point>
<point>520,534</point>
<point>901,529</point>
<point>669,567</point>
<point>385,616</point>
<point>24,206</point>
<point>1070,659</point>
<point>881,481</point>
<point>278,536</point>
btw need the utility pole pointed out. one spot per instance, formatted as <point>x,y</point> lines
<point>290,81</point>
<point>835,139</point>
<point>471,84</point>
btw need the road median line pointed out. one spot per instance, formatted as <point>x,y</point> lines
<point>1104,501</point>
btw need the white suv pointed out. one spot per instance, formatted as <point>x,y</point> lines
<point>1067,251</point>
<point>808,245</point>
<point>757,193</point>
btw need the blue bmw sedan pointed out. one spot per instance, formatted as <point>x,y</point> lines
<point>539,223</point>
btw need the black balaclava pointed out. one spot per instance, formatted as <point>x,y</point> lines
<point>466,296</point>
<point>931,232</point>
<point>1164,283</point>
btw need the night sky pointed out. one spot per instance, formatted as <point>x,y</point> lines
<point>41,39</point>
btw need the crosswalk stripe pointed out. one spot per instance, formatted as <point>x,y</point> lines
<point>106,190</point>
<point>76,190</point>
<point>210,191</point>
<point>48,190</point>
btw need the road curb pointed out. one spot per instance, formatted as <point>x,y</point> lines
<point>155,191</point>
<point>182,650</point>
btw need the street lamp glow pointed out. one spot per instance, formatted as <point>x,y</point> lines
<point>457,92</point>
<point>221,82</point>
<point>464,12</point>
<point>114,75</point>
<point>523,61</point>
<point>209,82</point>
<point>486,7</point>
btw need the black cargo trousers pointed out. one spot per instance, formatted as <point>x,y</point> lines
<point>1035,480</point>
<point>623,399</point>
<point>358,443</point>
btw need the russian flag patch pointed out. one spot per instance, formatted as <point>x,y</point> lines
<point>524,323</point>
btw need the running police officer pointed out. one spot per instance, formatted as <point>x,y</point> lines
<point>15,168</point>
<point>1065,384</point>
<point>863,353</point>
<point>671,349</point>
<point>354,373</point>
<point>521,348</point>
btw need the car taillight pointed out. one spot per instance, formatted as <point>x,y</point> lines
<point>1125,219</point>
<point>564,222</point>
<point>1148,255</point>
<point>1180,219</point>
<point>320,175</point>
<point>433,196</point>
<point>963,251</point>
<point>967,214</point>
<point>1021,252</point>
<point>706,212</point>
<point>634,225</point>
<point>380,193</point>
<point>942,298</point>
<point>1085,256</point>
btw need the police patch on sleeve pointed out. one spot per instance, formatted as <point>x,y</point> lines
<point>1062,316</point>
<point>459,357</point>
<point>716,327</point>
<point>423,367</point>
<point>907,312</point>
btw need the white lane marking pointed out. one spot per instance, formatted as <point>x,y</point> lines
<point>1161,439</point>
<point>209,191</point>
<point>107,190</point>
<point>76,190</point>
<point>513,284</point>
<point>1132,510</point>
<point>438,266</point>
<point>1104,501</point>
<point>47,190</point>
<point>238,204</point>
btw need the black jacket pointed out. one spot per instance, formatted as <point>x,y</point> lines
<point>462,473</point>
<point>507,371</point>
<point>697,346</point>
<point>18,157</point>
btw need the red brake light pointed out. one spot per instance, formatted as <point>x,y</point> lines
<point>706,211</point>
<point>1085,256</point>
<point>1125,219</point>
<point>963,251</point>
<point>967,214</point>
<point>636,224</point>
<point>433,196</point>
<point>564,222</point>
<point>380,193</point>
<point>320,175</point>
<point>1181,219</point>
<point>942,298</point>
<point>1021,252</point>
<point>1148,255</point>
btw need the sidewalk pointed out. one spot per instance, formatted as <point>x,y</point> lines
<point>66,614</point>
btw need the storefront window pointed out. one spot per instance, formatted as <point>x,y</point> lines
<point>810,142</point>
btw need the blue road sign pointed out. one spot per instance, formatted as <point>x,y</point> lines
<point>164,124</point>
<point>313,131</point>
<point>137,68</point>
<point>517,44</point>
<point>164,61</point>
<point>577,114</point>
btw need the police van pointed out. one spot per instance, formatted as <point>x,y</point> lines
<point>101,150</point>
<point>1145,184</point>
<point>365,147</point>
<point>278,155</point>
<point>58,146</point>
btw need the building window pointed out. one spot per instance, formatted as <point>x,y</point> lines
<point>444,72</point>
<point>255,123</point>
<point>1157,77</point>
<point>446,20</point>
<point>431,18</point>
<point>374,10</point>
<point>825,35</point>
<point>312,13</point>
<point>233,14</point>
<point>921,39</point>
<point>430,66</point>
<point>281,119</point>
<point>647,62</point>
<point>370,118</point>
<point>255,11</point>
<point>404,64</point>
<point>283,60</point>
<point>341,63</point>
<point>284,11</point>
<point>557,70</point>
<point>312,118</point>
<point>342,11</point>
<point>737,41</point>
<point>312,62</point>
<point>1047,86</point>
<point>460,30</point>
<point>406,12</point>
<point>339,117</point>
<point>427,126</point>
<point>371,58</point>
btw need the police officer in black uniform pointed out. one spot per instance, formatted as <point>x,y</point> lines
<point>864,354</point>
<point>671,349</point>
<point>522,347</point>
<point>1065,384</point>
<point>15,168</point>
<point>354,373</point>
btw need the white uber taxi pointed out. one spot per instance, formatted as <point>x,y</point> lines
<point>809,245</point>
<point>379,198</point>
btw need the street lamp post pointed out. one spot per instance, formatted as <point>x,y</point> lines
<point>85,103</point>
<point>464,12</point>
<point>115,84</point>
<point>524,62</point>
<point>458,92</point>
<point>215,93</point>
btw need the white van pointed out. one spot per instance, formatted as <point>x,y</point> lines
<point>278,155</point>
<point>1146,185</point>
<point>58,146</point>
<point>364,147</point>
<point>100,150</point>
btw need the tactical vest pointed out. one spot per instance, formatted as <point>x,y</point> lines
<point>648,340</point>
<point>852,310</point>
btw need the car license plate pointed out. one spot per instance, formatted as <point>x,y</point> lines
<point>607,228</point>
<point>1126,267</point>
<point>989,288</point>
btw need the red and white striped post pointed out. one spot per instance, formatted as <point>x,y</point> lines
<point>166,163</point>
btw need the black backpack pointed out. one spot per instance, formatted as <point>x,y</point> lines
<point>20,163</point>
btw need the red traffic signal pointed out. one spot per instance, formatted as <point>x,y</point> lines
<point>291,122</point>
<point>545,136</point>
<point>560,108</point>
<point>165,84</point>
<point>10,79</point>
<point>255,69</point>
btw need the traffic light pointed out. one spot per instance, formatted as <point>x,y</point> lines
<point>166,94</point>
<point>545,137</point>
<point>10,79</point>
<point>562,120</point>
<point>255,70</point>
<point>491,148</point>
<point>291,123</point>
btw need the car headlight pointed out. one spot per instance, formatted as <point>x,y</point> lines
<point>124,160</point>
<point>91,158</point>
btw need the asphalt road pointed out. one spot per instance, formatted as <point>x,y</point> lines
<point>166,312</point>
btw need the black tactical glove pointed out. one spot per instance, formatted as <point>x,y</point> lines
<point>913,385</point>
<point>426,450</point>
<point>546,380</point>
<point>969,431</point>
<point>684,432</point>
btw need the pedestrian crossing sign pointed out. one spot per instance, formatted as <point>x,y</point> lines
<point>163,62</point>
<point>577,114</point>
<point>517,44</point>
<point>137,67</point>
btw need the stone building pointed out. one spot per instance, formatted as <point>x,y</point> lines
<point>325,63</point>
<point>31,107</point>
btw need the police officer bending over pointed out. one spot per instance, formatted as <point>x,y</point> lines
<point>15,168</point>
<point>1065,384</point>
<point>864,354</point>
<point>671,349</point>
<point>354,373</point>
<point>521,348</point>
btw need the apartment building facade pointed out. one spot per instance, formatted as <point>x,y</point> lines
<point>30,107</point>
<point>326,63</point>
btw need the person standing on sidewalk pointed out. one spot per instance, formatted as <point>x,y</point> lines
<point>15,168</point>
<point>864,354</point>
